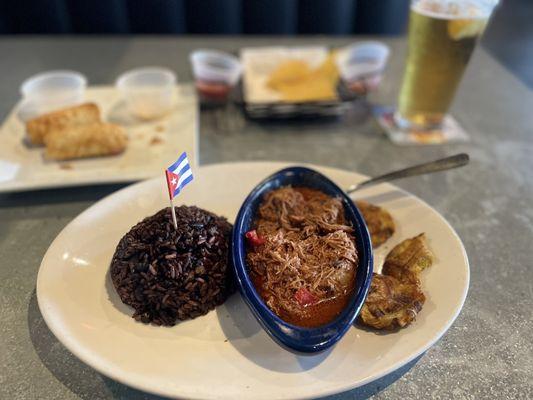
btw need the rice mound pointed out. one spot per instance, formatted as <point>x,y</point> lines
<point>169,274</point>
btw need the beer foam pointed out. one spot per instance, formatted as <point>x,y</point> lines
<point>455,9</point>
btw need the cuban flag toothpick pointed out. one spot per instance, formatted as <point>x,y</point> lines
<point>178,176</point>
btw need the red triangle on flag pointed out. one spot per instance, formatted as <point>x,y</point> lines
<point>172,183</point>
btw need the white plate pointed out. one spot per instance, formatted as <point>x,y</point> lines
<point>24,168</point>
<point>225,354</point>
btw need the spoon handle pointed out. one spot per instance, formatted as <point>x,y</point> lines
<point>442,164</point>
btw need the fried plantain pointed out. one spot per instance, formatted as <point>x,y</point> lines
<point>391,303</point>
<point>395,297</point>
<point>379,221</point>
<point>407,259</point>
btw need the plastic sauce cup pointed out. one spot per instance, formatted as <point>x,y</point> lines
<point>49,91</point>
<point>361,65</point>
<point>215,73</point>
<point>149,92</point>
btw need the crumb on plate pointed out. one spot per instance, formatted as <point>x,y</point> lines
<point>156,140</point>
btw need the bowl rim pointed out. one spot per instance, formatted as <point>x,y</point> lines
<point>199,56</point>
<point>319,338</point>
<point>350,70</point>
<point>123,80</point>
<point>80,80</point>
<point>229,74</point>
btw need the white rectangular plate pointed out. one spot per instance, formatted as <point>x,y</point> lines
<point>152,146</point>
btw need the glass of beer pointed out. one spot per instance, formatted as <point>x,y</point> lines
<point>442,37</point>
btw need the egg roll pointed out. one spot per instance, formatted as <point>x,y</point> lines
<point>90,140</point>
<point>38,128</point>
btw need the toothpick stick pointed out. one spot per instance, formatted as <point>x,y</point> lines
<point>173,215</point>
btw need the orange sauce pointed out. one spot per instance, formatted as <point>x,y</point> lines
<point>315,315</point>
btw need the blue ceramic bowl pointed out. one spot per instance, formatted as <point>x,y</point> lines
<point>291,337</point>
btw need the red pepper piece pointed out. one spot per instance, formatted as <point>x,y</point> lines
<point>253,238</point>
<point>304,297</point>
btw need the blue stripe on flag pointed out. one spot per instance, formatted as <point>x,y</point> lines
<point>183,170</point>
<point>175,165</point>
<point>183,184</point>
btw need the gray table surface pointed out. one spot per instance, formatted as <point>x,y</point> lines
<point>487,353</point>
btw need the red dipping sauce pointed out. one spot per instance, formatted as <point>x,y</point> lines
<point>217,91</point>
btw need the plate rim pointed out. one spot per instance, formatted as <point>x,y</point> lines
<point>112,373</point>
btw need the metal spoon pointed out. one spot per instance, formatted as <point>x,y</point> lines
<point>442,164</point>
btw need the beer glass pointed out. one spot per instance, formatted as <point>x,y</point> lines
<point>442,37</point>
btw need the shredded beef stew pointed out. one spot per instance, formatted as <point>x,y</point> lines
<point>302,255</point>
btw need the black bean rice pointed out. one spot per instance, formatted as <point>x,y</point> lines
<point>168,275</point>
